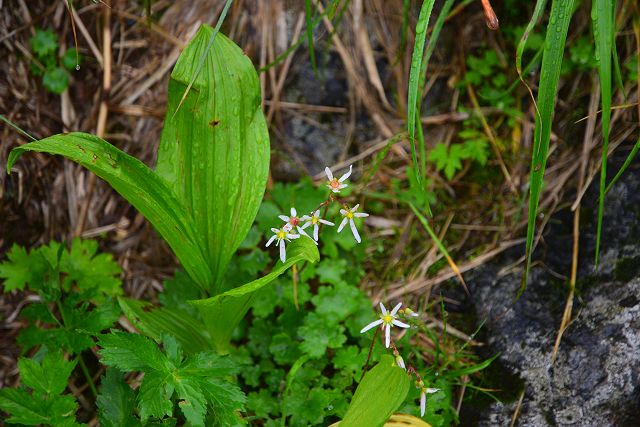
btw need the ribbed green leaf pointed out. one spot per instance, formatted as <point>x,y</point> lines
<point>153,322</point>
<point>414,92</point>
<point>602,18</point>
<point>382,390</point>
<point>223,312</point>
<point>214,152</point>
<point>561,13</point>
<point>145,190</point>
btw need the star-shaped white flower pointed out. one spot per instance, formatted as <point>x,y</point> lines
<point>387,319</point>
<point>336,184</point>
<point>423,398</point>
<point>315,220</point>
<point>294,222</point>
<point>348,215</point>
<point>282,235</point>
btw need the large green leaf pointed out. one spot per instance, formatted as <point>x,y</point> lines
<point>153,322</point>
<point>382,390</point>
<point>223,312</point>
<point>214,150</point>
<point>138,184</point>
<point>554,44</point>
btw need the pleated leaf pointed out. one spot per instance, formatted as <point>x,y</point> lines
<point>223,312</point>
<point>382,390</point>
<point>214,149</point>
<point>144,189</point>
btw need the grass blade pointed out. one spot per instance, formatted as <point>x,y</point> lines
<point>439,244</point>
<point>205,53</point>
<point>561,13</point>
<point>602,16</point>
<point>413,108</point>
<point>625,165</point>
<point>309,18</point>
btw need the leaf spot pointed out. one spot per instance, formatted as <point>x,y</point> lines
<point>82,148</point>
<point>214,123</point>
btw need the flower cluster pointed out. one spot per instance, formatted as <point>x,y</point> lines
<point>294,225</point>
<point>387,320</point>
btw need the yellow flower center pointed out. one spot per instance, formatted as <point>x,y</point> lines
<point>281,234</point>
<point>349,215</point>
<point>387,318</point>
<point>315,220</point>
<point>334,183</point>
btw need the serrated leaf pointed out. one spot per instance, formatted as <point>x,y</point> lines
<point>223,312</point>
<point>154,396</point>
<point>48,377</point>
<point>89,270</point>
<point>214,150</point>
<point>131,352</point>
<point>25,409</point>
<point>56,80</point>
<point>22,268</point>
<point>116,401</point>
<point>379,394</point>
<point>138,184</point>
<point>44,42</point>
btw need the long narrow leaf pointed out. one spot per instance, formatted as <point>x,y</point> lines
<point>602,16</point>
<point>145,190</point>
<point>625,165</point>
<point>223,312</point>
<point>561,13</point>
<point>413,95</point>
<point>214,152</point>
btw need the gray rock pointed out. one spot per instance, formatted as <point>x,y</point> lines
<point>595,380</point>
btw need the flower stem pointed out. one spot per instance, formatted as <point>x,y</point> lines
<point>366,365</point>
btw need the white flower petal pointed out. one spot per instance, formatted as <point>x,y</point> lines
<point>355,208</point>
<point>305,218</point>
<point>293,236</point>
<point>341,186</point>
<point>432,390</point>
<point>354,230</point>
<point>317,213</point>
<point>343,212</point>
<point>346,175</point>
<point>270,241</point>
<point>383,309</point>
<point>400,362</point>
<point>305,225</point>
<point>371,325</point>
<point>315,232</point>
<point>328,172</point>
<point>400,324</point>
<point>294,213</point>
<point>326,222</point>
<point>360,214</point>
<point>423,403</point>
<point>284,218</point>
<point>335,190</point>
<point>283,252</point>
<point>387,335</point>
<point>275,230</point>
<point>396,308</point>
<point>342,224</point>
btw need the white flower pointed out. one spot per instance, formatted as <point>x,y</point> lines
<point>423,398</point>
<point>336,184</point>
<point>294,221</point>
<point>283,234</point>
<point>348,215</point>
<point>315,220</point>
<point>386,320</point>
